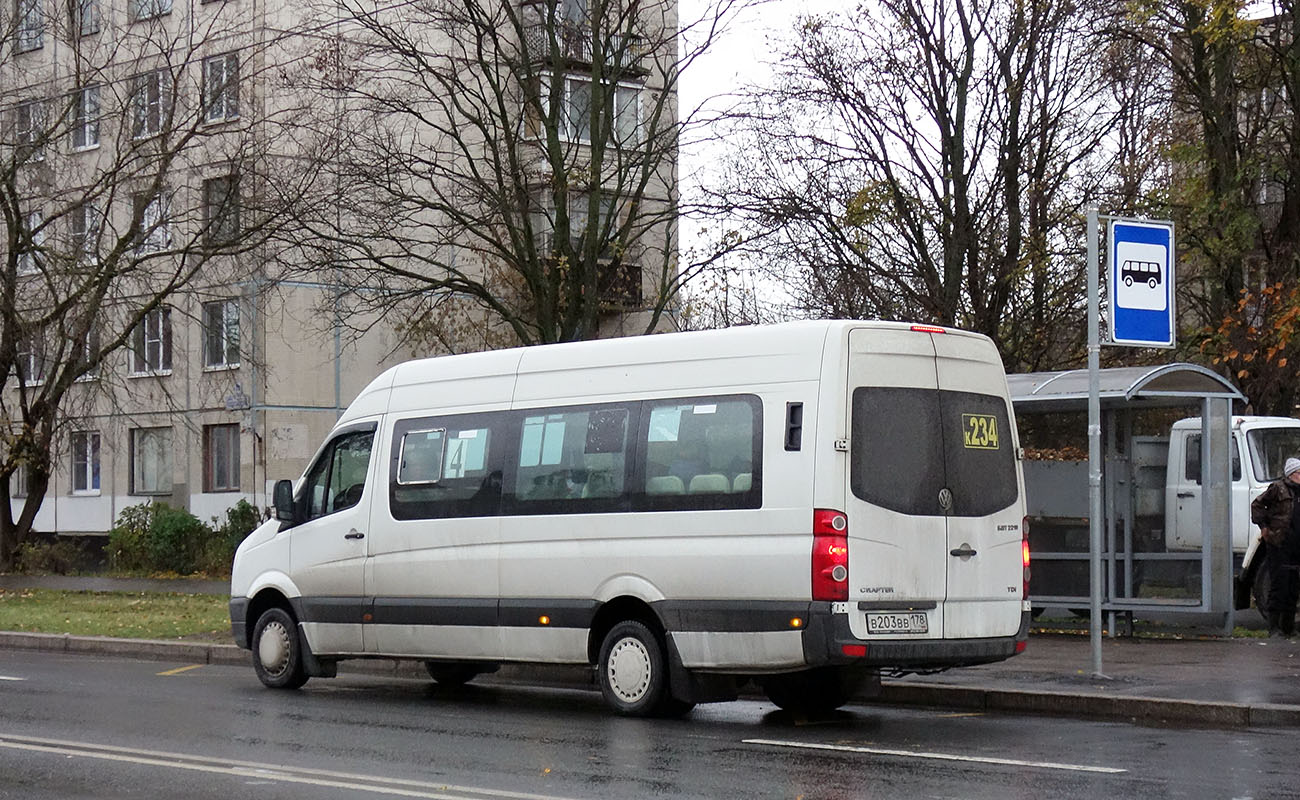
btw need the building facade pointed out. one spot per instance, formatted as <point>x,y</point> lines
<point>161,168</point>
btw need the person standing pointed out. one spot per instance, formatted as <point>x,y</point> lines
<point>1277,513</point>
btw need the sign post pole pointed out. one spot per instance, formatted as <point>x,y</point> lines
<point>1140,310</point>
<point>1094,441</point>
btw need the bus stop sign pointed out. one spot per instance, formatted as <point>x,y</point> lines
<point>1141,276</point>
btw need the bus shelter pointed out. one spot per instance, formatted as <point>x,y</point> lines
<point>1141,572</point>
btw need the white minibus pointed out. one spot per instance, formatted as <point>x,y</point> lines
<point>801,505</point>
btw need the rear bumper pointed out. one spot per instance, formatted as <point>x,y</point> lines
<point>827,636</point>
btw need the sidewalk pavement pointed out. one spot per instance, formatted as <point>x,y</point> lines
<point>1193,680</point>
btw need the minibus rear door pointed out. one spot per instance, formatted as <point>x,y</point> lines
<point>983,507</point>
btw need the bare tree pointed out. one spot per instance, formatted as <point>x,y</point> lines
<point>503,171</point>
<point>925,160</point>
<point>134,170</point>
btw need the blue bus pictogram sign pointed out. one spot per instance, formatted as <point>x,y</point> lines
<point>1141,277</point>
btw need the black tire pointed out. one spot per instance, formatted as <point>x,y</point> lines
<point>277,650</point>
<point>1261,587</point>
<point>633,673</point>
<point>815,691</point>
<point>451,674</point>
<point>1128,280</point>
<point>1152,283</point>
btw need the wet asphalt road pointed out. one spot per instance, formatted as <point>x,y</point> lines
<point>83,727</point>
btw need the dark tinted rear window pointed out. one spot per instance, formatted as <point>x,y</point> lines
<point>910,444</point>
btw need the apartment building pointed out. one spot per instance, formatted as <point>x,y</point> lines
<point>169,248</point>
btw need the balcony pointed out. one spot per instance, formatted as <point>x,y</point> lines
<point>619,285</point>
<point>575,45</point>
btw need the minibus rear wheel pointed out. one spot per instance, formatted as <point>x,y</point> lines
<point>451,674</point>
<point>817,691</point>
<point>277,650</point>
<point>634,673</point>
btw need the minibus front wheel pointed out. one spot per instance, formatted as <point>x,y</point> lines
<point>277,650</point>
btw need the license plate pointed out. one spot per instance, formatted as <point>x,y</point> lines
<point>903,622</point>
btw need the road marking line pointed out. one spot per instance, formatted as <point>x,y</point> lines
<point>877,751</point>
<point>179,670</point>
<point>264,772</point>
<point>10,678</point>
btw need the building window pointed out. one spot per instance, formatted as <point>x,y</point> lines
<point>88,355</point>
<point>150,102</point>
<point>31,255</point>
<point>221,87</point>
<point>148,9</point>
<point>83,232</point>
<point>86,17</point>
<point>221,334</point>
<point>153,235</point>
<point>20,482</point>
<point>31,24</point>
<point>221,458</point>
<point>151,343</point>
<point>85,123</point>
<point>575,122</point>
<point>29,130</point>
<point>85,462</point>
<point>548,232</point>
<point>31,359</point>
<point>221,209</point>
<point>151,461</point>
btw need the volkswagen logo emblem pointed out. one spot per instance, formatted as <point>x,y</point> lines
<point>945,499</point>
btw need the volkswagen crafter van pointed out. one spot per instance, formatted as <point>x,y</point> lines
<point>803,506</point>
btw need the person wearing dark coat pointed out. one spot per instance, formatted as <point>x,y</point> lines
<point>1277,513</point>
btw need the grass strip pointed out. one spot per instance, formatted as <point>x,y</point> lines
<point>129,615</point>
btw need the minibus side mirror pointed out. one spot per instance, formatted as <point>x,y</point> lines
<point>284,501</point>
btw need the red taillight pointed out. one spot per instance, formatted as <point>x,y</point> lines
<point>1024,556</point>
<point>928,329</point>
<point>830,555</point>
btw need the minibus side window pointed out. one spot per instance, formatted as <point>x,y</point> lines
<point>420,457</point>
<point>702,453</point>
<point>571,461</point>
<point>337,480</point>
<point>444,467</point>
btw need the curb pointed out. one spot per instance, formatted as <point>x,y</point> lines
<point>1142,710</point>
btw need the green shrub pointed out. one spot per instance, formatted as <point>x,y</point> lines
<point>241,519</point>
<point>176,540</point>
<point>154,537</point>
<point>126,540</point>
<point>51,557</point>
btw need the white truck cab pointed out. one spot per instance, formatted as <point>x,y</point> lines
<point>1260,446</point>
